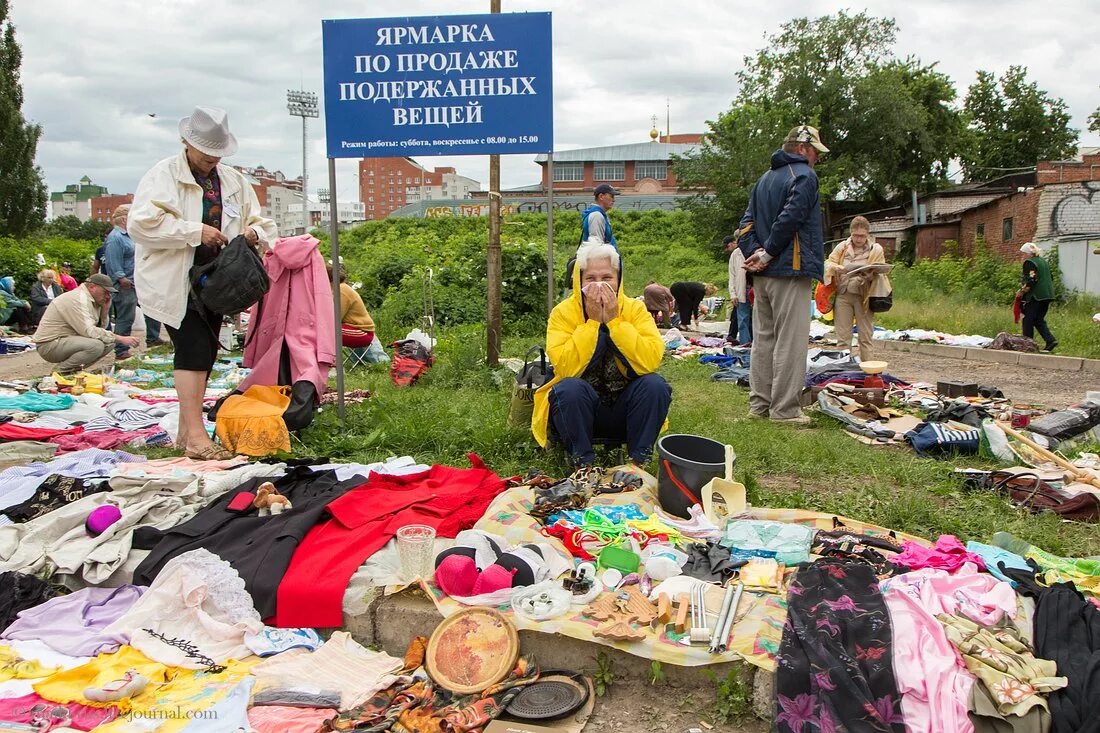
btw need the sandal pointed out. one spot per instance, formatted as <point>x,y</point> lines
<point>212,452</point>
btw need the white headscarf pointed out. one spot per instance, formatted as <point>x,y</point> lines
<point>1031,248</point>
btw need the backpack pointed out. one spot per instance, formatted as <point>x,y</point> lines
<point>232,282</point>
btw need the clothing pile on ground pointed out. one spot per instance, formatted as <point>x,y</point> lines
<point>14,344</point>
<point>171,588</point>
<point>681,346</point>
<point>869,629</point>
<point>132,586</point>
<point>84,411</point>
<point>936,337</point>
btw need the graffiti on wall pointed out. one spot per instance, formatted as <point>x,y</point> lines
<point>1077,212</point>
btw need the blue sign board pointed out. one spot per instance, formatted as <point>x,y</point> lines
<point>442,85</point>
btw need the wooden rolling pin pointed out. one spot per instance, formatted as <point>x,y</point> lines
<point>1080,474</point>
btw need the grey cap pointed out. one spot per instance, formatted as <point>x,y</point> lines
<point>102,281</point>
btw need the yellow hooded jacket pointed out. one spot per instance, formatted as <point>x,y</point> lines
<point>571,339</point>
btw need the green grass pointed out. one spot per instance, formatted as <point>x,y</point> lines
<point>461,406</point>
<point>917,305</point>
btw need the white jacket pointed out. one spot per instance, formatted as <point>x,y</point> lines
<point>738,284</point>
<point>166,226</point>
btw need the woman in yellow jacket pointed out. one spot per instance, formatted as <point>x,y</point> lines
<point>854,290</point>
<point>605,349</point>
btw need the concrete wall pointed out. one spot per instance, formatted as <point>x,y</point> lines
<point>1069,209</point>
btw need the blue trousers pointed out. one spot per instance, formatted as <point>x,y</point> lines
<point>578,417</point>
<point>125,304</point>
<point>740,324</point>
<point>744,323</point>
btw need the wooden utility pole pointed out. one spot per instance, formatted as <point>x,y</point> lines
<point>492,264</point>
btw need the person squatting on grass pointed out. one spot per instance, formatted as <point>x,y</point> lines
<point>605,349</point>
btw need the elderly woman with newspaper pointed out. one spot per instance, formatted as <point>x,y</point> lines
<point>857,269</point>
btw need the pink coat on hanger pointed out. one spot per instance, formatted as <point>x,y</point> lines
<point>298,310</point>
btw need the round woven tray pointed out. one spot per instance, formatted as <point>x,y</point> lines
<point>472,650</point>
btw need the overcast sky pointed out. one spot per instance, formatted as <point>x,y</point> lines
<point>93,72</point>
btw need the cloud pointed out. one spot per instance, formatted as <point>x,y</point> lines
<point>93,72</point>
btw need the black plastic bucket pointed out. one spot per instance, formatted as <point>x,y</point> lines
<point>686,464</point>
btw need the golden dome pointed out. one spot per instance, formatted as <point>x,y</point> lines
<point>653,134</point>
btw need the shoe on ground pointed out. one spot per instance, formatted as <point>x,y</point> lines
<point>758,415</point>
<point>1051,347</point>
<point>800,420</point>
<point>124,356</point>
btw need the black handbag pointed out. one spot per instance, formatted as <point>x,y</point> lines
<point>233,281</point>
<point>880,304</point>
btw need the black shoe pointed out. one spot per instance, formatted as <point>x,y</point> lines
<point>1051,347</point>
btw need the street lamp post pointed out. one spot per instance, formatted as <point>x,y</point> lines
<point>303,104</point>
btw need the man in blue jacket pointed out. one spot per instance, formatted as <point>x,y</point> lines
<point>595,224</point>
<point>784,247</point>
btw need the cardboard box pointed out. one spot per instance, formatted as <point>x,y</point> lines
<point>504,726</point>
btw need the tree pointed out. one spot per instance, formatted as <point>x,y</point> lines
<point>890,124</point>
<point>1012,124</point>
<point>22,190</point>
<point>1094,121</point>
<point>70,227</point>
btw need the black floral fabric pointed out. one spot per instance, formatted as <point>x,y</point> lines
<point>834,665</point>
<point>53,493</point>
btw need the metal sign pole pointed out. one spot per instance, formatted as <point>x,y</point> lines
<point>550,232</point>
<point>333,230</point>
<point>492,264</point>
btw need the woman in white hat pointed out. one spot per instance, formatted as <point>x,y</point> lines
<point>187,207</point>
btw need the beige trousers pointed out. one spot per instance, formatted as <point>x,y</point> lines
<point>780,340</point>
<point>849,308</point>
<point>73,353</point>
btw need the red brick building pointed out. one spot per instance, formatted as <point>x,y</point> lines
<point>1004,223</point>
<point>638,168</point>
<point>1056,205</point>
<point>387,184</point>
<point>101,207</point>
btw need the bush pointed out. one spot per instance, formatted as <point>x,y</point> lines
<point>19,258</point>
<point>391,260</point>
<point>985,277</point>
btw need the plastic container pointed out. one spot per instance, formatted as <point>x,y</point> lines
<point>663,561</point>
<point>416,550</point>
<point>686,463</point>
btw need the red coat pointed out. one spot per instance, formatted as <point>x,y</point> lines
<point>363,520</point>
<point>298,310</point>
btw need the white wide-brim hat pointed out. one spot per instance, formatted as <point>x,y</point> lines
<point>207,130</point>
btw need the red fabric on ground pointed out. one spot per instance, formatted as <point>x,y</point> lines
<point>15,431</point>
<point>363,520</point>
<point>102,439</point>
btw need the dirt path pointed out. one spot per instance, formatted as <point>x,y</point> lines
<point>1022,384</point>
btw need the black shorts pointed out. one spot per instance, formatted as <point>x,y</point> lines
<point>196,340</point>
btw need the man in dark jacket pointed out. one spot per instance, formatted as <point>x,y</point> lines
<point>782,240</point>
